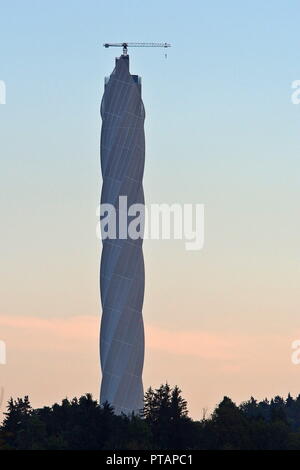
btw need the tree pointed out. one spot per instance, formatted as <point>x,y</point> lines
<point>229,427</point>
<point>166,413</point>
<point>81,423</point>
<point>16,418</point>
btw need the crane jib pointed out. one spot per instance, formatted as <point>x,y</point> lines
<point>125,45</point>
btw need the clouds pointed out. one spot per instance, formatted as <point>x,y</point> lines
<point>189,343</point>
<point>36,334</point>
<point>50,358</point>
<point>76,334</point>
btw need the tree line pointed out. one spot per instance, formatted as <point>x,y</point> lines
<point>163,424</point>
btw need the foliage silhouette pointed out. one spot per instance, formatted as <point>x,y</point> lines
<point>162,424</point>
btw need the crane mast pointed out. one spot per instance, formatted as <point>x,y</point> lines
<point>125,45</point>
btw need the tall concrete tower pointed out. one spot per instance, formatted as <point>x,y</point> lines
<point>122,277</point>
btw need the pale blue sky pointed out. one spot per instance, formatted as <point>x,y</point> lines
<point>220,128</point>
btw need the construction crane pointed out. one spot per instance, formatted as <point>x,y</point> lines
<point>125,45</point>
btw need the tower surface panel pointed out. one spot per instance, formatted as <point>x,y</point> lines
<point>122,278</point>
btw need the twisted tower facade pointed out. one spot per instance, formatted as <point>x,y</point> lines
<point>122,276</point>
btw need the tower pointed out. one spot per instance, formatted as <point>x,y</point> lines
<point>122,276</point>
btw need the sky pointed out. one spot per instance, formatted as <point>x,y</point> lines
<point>221,130</point>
